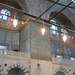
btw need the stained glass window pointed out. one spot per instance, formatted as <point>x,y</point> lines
<point>4,14</point>
<point>59,56</point>
<point>54,28</point>
<point>3,47</point>
<point>72,58</point>
<point>63,31</point>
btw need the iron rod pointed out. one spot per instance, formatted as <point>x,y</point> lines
<point>48,8</point>
<point>60,11</point>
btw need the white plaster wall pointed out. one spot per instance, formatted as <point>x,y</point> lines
<point>14,59</point>
<point>45,67</point>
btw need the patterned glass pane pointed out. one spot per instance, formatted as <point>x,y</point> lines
<point>4,12</point>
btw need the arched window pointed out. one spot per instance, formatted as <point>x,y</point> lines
<point>64,32</point>
<point>54,28</point>
<point>4,14</point>
<point>53,21</point>
<point>72,58</point>
<point>3,47</point>
<point>59,73</point>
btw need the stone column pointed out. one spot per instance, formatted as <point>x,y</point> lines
<point>40,44</point>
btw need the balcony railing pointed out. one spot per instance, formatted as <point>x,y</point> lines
<point>8,24</point>
<point>15,54</point>
<point>63,61</point>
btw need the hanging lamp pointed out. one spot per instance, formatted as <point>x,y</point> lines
<point>15,21</point>
<point>43,30</point>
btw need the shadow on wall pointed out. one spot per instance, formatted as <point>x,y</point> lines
<point>16,71</point>
<point>59,73</point>
<point>62,19</point>
<point>16,50</point>
<point>38,70</point>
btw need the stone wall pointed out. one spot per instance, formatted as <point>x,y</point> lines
<point>39,44</point>
<point>9,39</point>
<point>52,67</point>
<point>32,41</point>
<point>13,59</point>
<point>30,66</point>
<point>25,39</point>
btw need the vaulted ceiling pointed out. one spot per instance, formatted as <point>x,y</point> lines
<point>12,3</point>
<point>42,9</point>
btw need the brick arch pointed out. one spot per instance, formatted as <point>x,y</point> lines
<point>66,12</point>
<point>1,69</point>
<point>62,70</point>
<point>19,66</point>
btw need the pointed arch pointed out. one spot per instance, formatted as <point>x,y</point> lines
<point>66,12</point>
<point>1,70</point>
<point>62,70</point>
<point>25,70</point>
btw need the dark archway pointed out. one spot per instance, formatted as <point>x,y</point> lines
<point>59,73</point>
<point>16,71</point>
<point>16,50</point>
<point>73,73</point>
<point>62,19</point>
<point>12,3</point>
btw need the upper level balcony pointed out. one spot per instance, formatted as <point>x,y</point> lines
<point>14,55</point>
<point>63,36</point>
<point>8,24</point>
<point>62,43</point>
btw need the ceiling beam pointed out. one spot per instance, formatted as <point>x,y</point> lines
<point>60,11</point>
<point>18,10</point>
<point>48,9</point>
<point>12,8</point>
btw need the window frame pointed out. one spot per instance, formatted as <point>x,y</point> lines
<point>5,14</point>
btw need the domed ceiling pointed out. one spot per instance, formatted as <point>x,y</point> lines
<point>12,3</point>
<point>42,10</point>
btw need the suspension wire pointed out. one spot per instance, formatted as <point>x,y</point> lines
<point>60,11</point>
<point>41,19</point>
<point>48,8</point>
<point>61,4</point>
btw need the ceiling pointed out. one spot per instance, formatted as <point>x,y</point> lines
<point>62,19</point>
<point>58,15</point>
<point>12,3</point>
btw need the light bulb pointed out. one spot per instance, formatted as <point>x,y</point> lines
<point>64,38</point>
<point>15,22</point>
<point>43,30</point>
<point>72,37</point>
<point>69,37</point>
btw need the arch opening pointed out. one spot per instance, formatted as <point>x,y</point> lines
<point>12,3</point>
<point>74,73</point>
<point>59,73</point>
<point>16,71</point>
<point>62,19</point>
